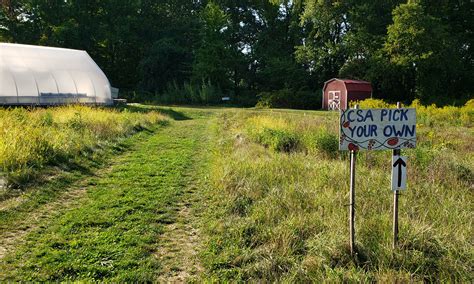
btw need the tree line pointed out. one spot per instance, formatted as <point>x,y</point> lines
<point>277,52</point>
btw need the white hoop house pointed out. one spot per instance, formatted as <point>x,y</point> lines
<point>37,75</point>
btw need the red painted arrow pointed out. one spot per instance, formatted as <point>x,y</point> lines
<point>400,163</point>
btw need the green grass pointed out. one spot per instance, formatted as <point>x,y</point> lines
<point>273,189</point>
<point>280,214</point>
<point>45,175</point>
<point>35,138</point>
<point>111,234</point>
<point>18,204</point>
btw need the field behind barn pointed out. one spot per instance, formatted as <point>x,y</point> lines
<point>232,195</point>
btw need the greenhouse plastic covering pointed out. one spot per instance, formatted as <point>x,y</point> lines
<point>37,75</point>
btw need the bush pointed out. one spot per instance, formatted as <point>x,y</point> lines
<point>372,103</point>
<point>284,135</point>
<point>327,142</point>
<point>278,140</point>
<point>244,98</point>
<point>321,141</point>
<point>449,115</point>
<point>188,93</point>
<point>287,98</point>
<point>138,97</point>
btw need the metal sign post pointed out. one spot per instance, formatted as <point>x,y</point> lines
<point>395,209</point>
<point>396,154</point>
<point>353,157</point>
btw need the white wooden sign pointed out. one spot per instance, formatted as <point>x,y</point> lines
<point>399,172</point>
<point>377,129</point>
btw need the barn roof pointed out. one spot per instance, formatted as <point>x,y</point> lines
<point>353,85</point>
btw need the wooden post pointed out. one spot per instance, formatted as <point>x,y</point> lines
<point>396,152</point>
<point>353,156</point>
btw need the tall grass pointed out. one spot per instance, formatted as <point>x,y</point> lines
<point>432,115</point>
<point>280,214</point>
<point>284,134</point>
<point>33,138</point>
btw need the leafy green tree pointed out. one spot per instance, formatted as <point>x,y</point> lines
<point>213,52</point>
<point>323,48</point>
<point>19,22</point>
<point>456,17</point>
<point>419,44</point>
<point>274,48</point>
<point>406,49</point>
<point>167,61</point>
<point>172,30</point>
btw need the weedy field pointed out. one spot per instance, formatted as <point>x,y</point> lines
<point>34,138</point>
<point>212,194</point>
<point>281,190</point>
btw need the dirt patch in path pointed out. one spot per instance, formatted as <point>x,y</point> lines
<point>179,247</point>
<point>181,242</point>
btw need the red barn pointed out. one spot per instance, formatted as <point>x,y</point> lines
<point>337,93</point>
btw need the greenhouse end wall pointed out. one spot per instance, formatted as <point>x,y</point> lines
<point>38,75</point>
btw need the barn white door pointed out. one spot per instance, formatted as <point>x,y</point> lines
<point>334,100</point>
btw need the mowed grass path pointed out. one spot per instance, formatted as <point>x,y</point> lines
<point>113,233</point>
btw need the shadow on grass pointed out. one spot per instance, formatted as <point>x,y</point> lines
<point>176,115</point>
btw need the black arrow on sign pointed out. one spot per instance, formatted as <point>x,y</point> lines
<point>400,163</point>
